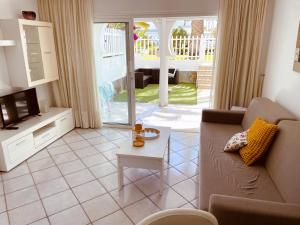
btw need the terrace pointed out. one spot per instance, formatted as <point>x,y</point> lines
<point>189,49</point>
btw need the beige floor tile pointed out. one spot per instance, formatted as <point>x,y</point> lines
<point>94,160</point>
<point>114,136</point>
<point>105,146</point>
<point>78,178</point>
<point>72,216</point>
<point>48,188</point>
<point>57,143</point>
<point>195,203</point>
<point>2,204</point>
<point>41,164</point>
<point>4,219</point>
<point>111,154</point>
<point>135,174</point>
<point>187,168</point>
<point>188,153</point>
<point>1,188</point>
<point>173,176</point>
<point>100,207</point>
<point>59,202</point>
<point>18,183</point>
<point>110,182</point>
<point>44,221</point>
<point>128,195</point>
<point>40,155</point>
<point>176,159</point>
<point>64,158</point>
<point>169,199</point>
<point>176,146</point>
<point>72,138</point>
<point>92,134</point>
<point>97,140</point>
<point>103,169</point>
<point>59,150</point>
<point>86,151</point>
<point>21,197</point>
<point>46,175</point>
<point>114,219</point>
<point>188,206</point>
<point>149,185</point>
<point>188,189</point>
<point>88,191</point>
<point>27,214</point>
<point>136,214</point>
<point>71,167</point>
<point>20,170</point>
<point>79,144</point>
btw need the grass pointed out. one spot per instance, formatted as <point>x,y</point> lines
<point>183,93</point>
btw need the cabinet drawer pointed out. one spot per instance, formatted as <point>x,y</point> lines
<point>21,149</point>
<point>44,135</point>
<point>65,123</point>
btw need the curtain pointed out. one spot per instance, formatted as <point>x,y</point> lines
<point>77,86</point>
<point>240,38</point>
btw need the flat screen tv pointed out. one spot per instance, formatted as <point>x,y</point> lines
<point>15,107</point>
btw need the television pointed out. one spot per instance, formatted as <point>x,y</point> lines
<point>15,107</point>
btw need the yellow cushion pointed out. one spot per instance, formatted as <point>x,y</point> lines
<point>259,138</point>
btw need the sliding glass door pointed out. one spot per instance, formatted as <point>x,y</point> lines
<point>112,57</point>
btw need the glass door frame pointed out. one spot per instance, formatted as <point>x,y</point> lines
<point>130,69</point>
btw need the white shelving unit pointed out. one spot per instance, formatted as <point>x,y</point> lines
<point>34,52</point>
<point>6,43</point>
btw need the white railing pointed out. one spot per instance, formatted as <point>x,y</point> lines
<point>180,47</point>
<point>147,46</point>
<point>114,42</point>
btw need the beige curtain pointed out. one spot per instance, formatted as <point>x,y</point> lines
<point>240,37</point>
<point>76,88</point>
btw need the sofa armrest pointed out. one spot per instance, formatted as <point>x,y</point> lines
<point>222,116</point>
<point>231,210</point>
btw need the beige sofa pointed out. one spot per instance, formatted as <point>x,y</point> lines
<point>267,193</point>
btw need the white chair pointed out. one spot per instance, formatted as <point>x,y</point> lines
<point>180,217</point>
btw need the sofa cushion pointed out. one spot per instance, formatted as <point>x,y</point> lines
<point>259,137</point>
<point>267,110</point>
<point>225,173</point>
<point>283,161</point>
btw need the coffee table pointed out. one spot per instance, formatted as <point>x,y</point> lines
<point>150,156</point>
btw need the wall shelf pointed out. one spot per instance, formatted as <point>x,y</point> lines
<point>4,43</point>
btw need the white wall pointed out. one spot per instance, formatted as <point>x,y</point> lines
<point>281,82</point>
<point>146,8</point>
<point>10,9</point>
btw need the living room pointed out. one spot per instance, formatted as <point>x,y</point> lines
<point>61,163</point>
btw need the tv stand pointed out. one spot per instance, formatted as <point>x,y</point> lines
<point>10,128</point>
<point>34,134</point>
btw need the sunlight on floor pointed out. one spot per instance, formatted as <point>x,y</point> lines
<point>179,117</point>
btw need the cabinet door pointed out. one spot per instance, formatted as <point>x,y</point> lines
<point>34,55</point>
<point>48,52</point>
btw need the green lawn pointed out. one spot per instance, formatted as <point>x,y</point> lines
<point>183,93</point>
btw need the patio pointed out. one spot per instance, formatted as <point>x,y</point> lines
<point>160,44</point>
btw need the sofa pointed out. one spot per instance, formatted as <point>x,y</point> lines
<point>145,76</point>
<point>266,193</point>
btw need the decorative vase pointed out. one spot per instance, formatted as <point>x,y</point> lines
<point>29,15</point>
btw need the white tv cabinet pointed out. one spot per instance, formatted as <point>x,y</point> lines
<point>33,135</point>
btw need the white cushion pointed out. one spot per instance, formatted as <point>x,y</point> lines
<point>237,141</point>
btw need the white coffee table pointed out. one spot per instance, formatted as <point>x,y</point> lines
<point>150,156</point>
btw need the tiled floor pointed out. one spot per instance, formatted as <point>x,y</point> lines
<point>74,182</point>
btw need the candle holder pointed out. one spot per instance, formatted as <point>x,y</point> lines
<point>138,136</point>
